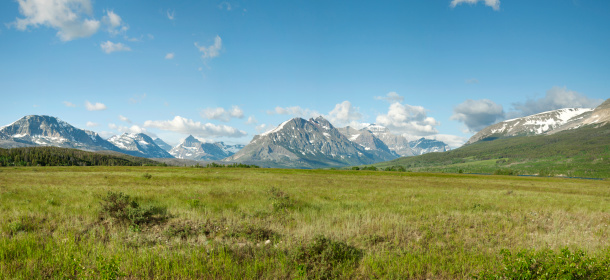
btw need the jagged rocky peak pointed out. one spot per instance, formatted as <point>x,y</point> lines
<point>35,130</point>
<point>138,144</point>
<point>35,125</point>
<point>196,149</point>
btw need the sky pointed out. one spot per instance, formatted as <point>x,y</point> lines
<point>229,70</point>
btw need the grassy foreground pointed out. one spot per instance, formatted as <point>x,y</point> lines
<point>220,223</point>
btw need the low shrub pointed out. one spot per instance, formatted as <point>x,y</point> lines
<point>280,201</point>
<point>324,258</point>
<point>124,209</point>
<point>548,264</point>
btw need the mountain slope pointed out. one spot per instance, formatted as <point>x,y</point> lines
<point>306,144</point>
<point>424,146</point>
<point>395,143</point>
<point>530,125</point>
<point>34,130</point>
<point>139,145</point>
<point>582,152</point>
<point>162,144</point>
<point>193,149</point>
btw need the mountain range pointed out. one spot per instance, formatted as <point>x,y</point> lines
<point>296,143</point>
<point>316,143</point>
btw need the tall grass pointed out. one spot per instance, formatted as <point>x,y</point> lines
<point>290,224</point>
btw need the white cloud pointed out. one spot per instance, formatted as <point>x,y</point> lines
<point>294,111</point>
<point>555,98</point>
<point>408,119</point>
<point>169,56</point>
<point>171,15</point>
<point>472,81</point>
<point>494,4</point>
<point>344,113</point>
<point>211,51</point>
<point>221,114</point>
<point>251,120</point>
<point>109,47</point>
<point>128,129</point>
<point>391,97</point>
<point>453,141</point>
<point>125,119</point>
<point>114,23</point>
<point>66,16</point>
<point>478,114</point>
<point>92,124</point>
<point>69,104</point>
<point>95,107</point>
<point>188,126</point>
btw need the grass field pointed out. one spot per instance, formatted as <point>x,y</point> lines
<point>225,223</point>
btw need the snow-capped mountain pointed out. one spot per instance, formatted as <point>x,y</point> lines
<point>34,130</point>
<point>193,149</point>
<point>366,139</point>
<point>424,146</point>
<point>599,116</point>
<point>162,144</point>
<point>139,145</point>
<point>535,124</point>
<point>307,144</point>
<point>396,143</point>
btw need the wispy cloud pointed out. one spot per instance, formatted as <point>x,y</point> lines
<point>137,98</point>
<point>125,119</point>
<point>494,4</point>
<point>224,5</point>
<point>171,14</point>
<point>391,97</point>
<point>472,81</point>
<point>169,56</point>
<point>95,107</point>
<point>71,18</point>
<point>92,124</point>
<point>294,111</point>
<point>188,126</point>
<point>114,23</point>
<point>110,47</point>
<point>211,51</point>
<point>69,104</point>
<point>251,120</point>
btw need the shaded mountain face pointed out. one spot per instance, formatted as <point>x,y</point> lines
<point>309,143</point>
<point>37,130</point>
<point>546,123</point>
<point>140,145</point>
<point>193,149</point>
<point>162,144</point>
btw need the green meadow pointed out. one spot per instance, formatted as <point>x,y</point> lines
<point>233,223</point>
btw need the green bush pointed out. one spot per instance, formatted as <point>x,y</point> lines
<point>124,209</point>
<point>280,201</point>
<point>548,264</point>
<point>324,258</point>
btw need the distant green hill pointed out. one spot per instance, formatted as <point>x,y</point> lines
<point>54,156</point>
<point>582,152</point>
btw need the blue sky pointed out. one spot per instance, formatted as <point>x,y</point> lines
<point>228,70</point>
